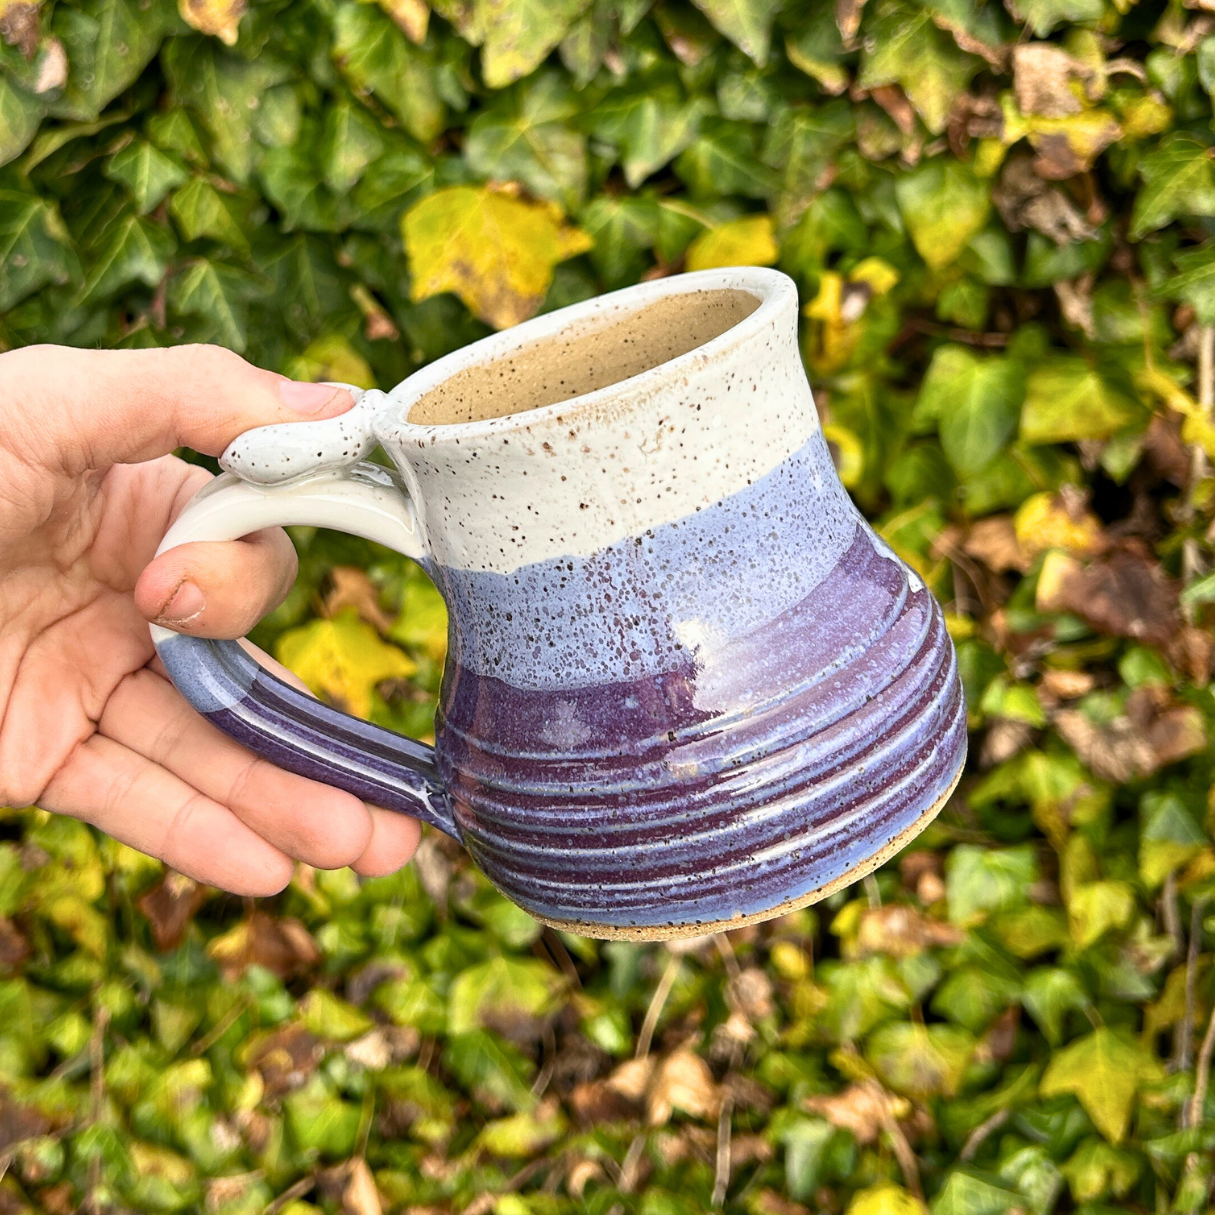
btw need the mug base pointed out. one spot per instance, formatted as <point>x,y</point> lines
<point>671,932</point>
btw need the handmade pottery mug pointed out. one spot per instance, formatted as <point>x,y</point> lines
<point>687,687</point>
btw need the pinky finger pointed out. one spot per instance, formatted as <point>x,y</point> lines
<point>143,805</point>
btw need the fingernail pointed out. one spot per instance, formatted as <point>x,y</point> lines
<point>307,398</point>
<point>186,603</point>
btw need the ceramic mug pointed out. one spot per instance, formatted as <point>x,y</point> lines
<point>687,687</point>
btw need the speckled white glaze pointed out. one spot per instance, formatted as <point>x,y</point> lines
<point>274,455</point>
<point>570,479</point>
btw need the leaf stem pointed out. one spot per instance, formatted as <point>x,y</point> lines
<point>659,999</point>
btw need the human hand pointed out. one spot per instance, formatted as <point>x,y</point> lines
<point>89,724</point>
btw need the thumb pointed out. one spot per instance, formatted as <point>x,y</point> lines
<point>76,410</point>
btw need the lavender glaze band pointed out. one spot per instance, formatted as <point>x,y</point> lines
<point>685,691</point>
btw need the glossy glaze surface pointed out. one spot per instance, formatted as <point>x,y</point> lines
<point>687,686</point>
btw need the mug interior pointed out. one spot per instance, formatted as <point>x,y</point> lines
<point>558,368</point>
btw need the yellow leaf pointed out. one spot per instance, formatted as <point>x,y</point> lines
<point>741,242</point>
<point>885,1199</point>
<point>218,17</point>
<point>1043,522</point>
<point>1096,907</point>
<point>1103,1071</point>
<point>80,920</point>
<point>412,16</point>
<point>848,453</point>
<point>331,358</point>
<point>880,276</point>
<point>342,660</point>
<point>524,1134</point>
<point>1057,570</point>
<point>495,251</point>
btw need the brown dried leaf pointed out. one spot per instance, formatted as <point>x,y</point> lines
<point>1163,449</point>
<point>1042,80</point>
<point>359,1195</point>
<point>596,1102</point>
<point>1024,200</point>
<point>1115,752</point>
<point>848,18</point>
<point>994,542</point>
<point>1193,650</point>
<point>14,948</point>
<point>383,1046</point>
<point>901,931</point>
<point>218,17</point>
<point>223,1191</point>
<point>352,588</point>
<point>632,1078</point>
<point>688,1143</point>
<point>1001,1038</point>
<point>286,1057</point>
<point>682,1081</point>
<point>283,946</point>
<point>20,27</point>
<point>1004,739</point>
<point>894,101</point>
<point>1067,685</point>
<point>769,1202</point>
<point>1151,734</point>
<point>1123,593</point>
<point>747,1093</point>
<point>1076,303</point>
<point>750,993</point>
<point>19,1122</point>
<point>170,905</point>
<point>862,1109</point>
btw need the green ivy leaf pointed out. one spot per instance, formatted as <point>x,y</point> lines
<point>20,114</point>
<point>976,401</point>
<point>201,210</point>
<point>137,251</point>
<point>373,54</point>
<point>747,23</point>
<point>350,141</point>
<point>1194,282</point>
<point>965,1194</point>
<point>503,993</point>
<point>147,173</point>
<point>944,205</point>
<point>225,91</point>
<point>1179,179</point>
<point>649,128</point>
<point>814,46</point>
<point>519,34</point>
<point>980,880</point>
<point>109,42</point>
<point>527,136</point>
<point>1067,400</point>
<point>724,159</point>
<point>34,246</point>
<point>1043,15</point>
<point>219,295</point>
<point>920,1061</point>
<point>909,50</point>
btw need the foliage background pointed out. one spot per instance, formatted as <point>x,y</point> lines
<point>998,218</point>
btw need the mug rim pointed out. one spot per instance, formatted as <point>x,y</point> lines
<point>774,289</point>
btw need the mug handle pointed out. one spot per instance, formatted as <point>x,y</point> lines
<point>276,721</point>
